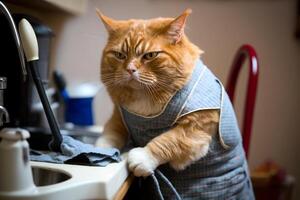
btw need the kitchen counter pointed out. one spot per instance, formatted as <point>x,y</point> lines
<point>86,182</point>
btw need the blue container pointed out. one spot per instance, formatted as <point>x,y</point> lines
<point>79,111</point>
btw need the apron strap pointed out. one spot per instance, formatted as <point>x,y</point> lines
<point>165,180</point>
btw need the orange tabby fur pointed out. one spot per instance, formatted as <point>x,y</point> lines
<point>159,79</point>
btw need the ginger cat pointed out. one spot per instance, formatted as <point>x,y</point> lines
<point>144,64</point>
<point>127,89</point>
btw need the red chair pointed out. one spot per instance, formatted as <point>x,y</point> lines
<point>265,187</point>
<point>245,51</point>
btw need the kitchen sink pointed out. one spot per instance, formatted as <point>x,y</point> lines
<point>46,176</point>
<point>51,181</point>
<point>76,182</point>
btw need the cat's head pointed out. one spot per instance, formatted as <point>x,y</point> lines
<point>150,57</point>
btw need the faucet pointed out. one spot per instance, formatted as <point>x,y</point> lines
<point>5,11</point>
<point>31,51</point>
<point>3,111</point>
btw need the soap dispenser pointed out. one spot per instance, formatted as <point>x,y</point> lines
<point>15,169</point>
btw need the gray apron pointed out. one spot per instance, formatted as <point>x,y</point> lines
<point>223,172</point>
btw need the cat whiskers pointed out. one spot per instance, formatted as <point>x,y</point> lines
<point>154,87</point>
<point>113,80</point>
<point>160,89</point>
<point>146,82</point>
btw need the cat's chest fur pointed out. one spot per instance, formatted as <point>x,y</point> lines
<point>142,105</point>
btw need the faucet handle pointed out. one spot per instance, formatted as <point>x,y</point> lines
<point>29,40</point>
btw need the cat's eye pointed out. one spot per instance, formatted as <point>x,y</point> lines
<point>150,55</point>
<point>119,55</point>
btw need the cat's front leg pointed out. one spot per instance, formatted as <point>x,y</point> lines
<point>141,161</point>
<point>180,146</point>
<point>188,141</point>
<point>114,133</point>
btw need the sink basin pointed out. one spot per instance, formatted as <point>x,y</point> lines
<point>76,182</point>
<point>64,181</point>
<point>44,176</point>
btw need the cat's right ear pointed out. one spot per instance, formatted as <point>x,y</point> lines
<point>175,29</point>
<point>110,24</point>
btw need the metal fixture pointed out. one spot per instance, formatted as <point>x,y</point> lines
<point>14,31</point>
<point>3,110</point>
<point>12,26</point>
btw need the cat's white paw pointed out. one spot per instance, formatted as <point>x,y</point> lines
<point>104,142</point>
<point>141,162</point>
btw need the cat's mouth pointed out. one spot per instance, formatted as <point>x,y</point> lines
<point>134,82</point>
<point>139,81</point>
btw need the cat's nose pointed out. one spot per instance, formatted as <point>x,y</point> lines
<point>131,71</point>
<point>131,68</point>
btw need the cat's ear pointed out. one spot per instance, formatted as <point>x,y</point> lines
<point>175,29</point>
<point>109,23</point>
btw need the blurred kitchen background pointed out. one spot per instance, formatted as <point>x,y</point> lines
<point>219,27</point>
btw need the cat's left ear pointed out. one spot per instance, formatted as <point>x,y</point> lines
<point>175,29</point>
<point>110,24</point>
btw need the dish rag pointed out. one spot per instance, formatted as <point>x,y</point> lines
<point>76,152</point>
